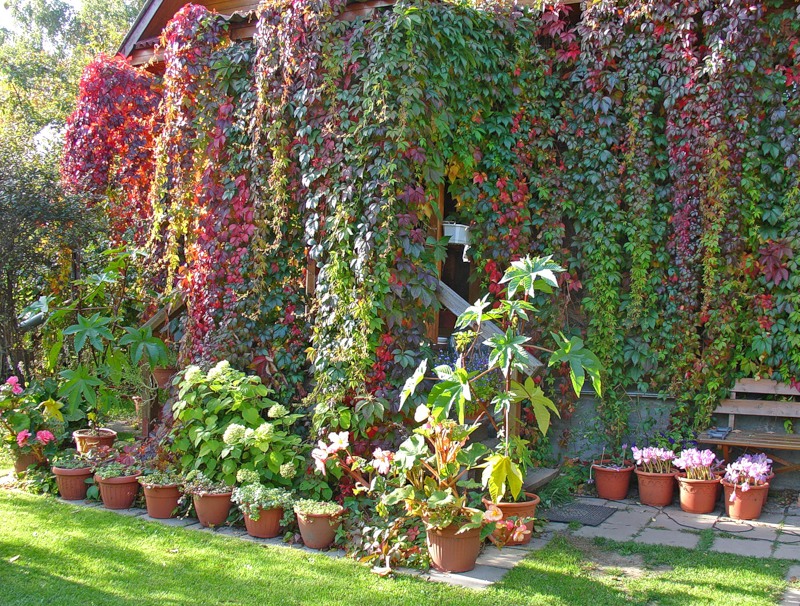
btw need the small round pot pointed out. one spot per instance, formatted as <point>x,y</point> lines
<point>212,509</point>
<point>656,489</point>
<point>698,496</point>
<point>161,501</point>
<point>118,493</point>
<point>23,461</point>
<point>86,439</point>
<point>612,484</point>
<point>267,526</point>
<point>451,551</point>
<point>522,509</point>
<point>72,484</point>
<point>163,376</point>
<point>319,529</point>
<point>746,504</point>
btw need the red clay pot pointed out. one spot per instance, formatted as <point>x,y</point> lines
<point>656,489</point>
<point>612,484</point>
<point>72,484</point>
<point>452,552</point>
<point>766,492</point>
<point>746,505</point>
<point>697,496</point>
<point>118,493</point>
<point>161,500</point>
<point>86,439</point>
<point>163,376</point>
<point>522,509</point>
<point>318,529</point>
<point>212,509</point>
<point>23,461</point>
<point>268,524</point>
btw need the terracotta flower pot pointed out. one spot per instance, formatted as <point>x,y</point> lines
<point>118,493</point>
<point>268,524</point>
<point>656,489</point>
<point>746,504</point>
<point>452,552</point>
<point>72,484</point>
<point>212,509</point>
<point>161,500</point>
<point>766,492</point>
<point>23,461</point>
<point>612,484</point>
<point>86,439</point>
<point>698,496</point>
<point>523,509</point>
<point>318,530</point>
<point>163,376</point>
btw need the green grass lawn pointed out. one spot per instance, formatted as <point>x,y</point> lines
<point>6,461</point>
<point>70,555</point>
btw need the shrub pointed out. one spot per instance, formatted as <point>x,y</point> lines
<point>220,427</point>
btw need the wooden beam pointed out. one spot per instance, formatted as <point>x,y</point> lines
<point>765,386</point>
<point>142,21</point>
<point>452,301</point>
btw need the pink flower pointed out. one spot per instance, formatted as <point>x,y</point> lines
<point>339,441</point>
<point>493,514</point>
<point>44,436</point>
<point>382,461</point>
<point>22,437</point>
<point>520,531</point>
<point>320,456</point>
<point>16,388</point>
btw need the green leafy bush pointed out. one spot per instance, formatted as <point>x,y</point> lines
<point>220,427</point>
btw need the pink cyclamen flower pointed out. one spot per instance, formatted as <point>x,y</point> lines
<point>22,437</point>
<point>44,436</point>
<point>493,514</point>
<point>382,461</point>
<point>320,456</point>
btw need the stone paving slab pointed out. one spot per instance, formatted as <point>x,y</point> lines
<point>178,522</point>
<point>742,547</point>
<point>792,595</point>
<point>787,552</point>
<point>746,530</point>
<point>614,532</point>
<point>134,512</point>
<point>653,536</point>
<point>480,577</point>
<point>672,519</point>
<point>501,558</point>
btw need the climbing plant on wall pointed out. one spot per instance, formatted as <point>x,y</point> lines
<point>652,147</point>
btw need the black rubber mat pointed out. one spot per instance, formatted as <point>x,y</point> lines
<point>588,515</point>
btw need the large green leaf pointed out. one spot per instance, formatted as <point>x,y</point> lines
<point>411,451</point>
<point>474,314</point>
<point>501,474</point>
<point>142,342</point>
<point>412,382</point>
<point>93,329</point>
<point>542,405</point>
<point>530,274</point>
<point>581,362</point>
<point>508,352</point>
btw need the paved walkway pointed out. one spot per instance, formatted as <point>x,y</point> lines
<point>776,534</point>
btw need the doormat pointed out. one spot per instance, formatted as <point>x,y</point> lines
<point>588,515</point>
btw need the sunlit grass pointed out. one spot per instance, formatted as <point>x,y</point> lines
<point>70,555</point>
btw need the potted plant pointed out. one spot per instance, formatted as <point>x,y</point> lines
<point>161,492</point>
<point>746,484</point>
<point>102,353</point>
<point>118,483</point>
<point>27,423</point>
<point>508,353</point>
<point>612,474</point>
<point>318,522</point>
<point>429,468</point>
<point>164,370</point>
<point>655,475</point>
<point>262,507</point>
<point>72,471</point>
<point>698,483</point>
<point>212,500</point>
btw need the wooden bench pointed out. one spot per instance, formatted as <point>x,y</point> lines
<point>747,398</point>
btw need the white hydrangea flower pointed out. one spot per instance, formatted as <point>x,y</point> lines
<point>277,411</point>
<point>234,434</point>
<point>264,431</point>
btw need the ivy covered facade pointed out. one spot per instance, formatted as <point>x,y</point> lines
<point>289,187</point>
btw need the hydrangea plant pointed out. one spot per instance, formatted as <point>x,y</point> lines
<point>253,496</point>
